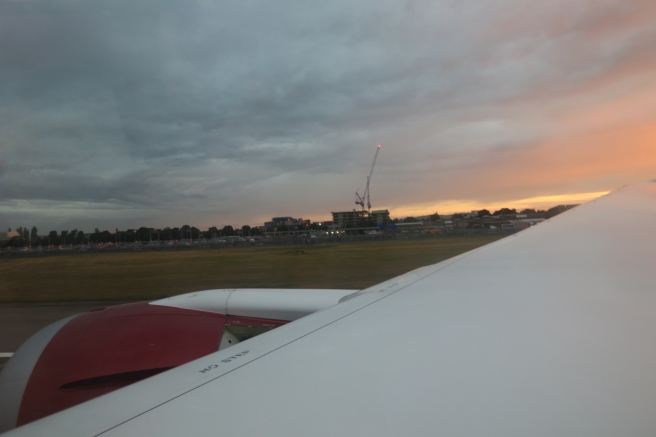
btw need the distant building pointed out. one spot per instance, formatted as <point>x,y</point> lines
<point>355,218</point>
<point>380,217</point>
<point>8,235</point>
<point>349,219</point>
<point>289,223</point>
<point>522,222</point>
<point>410,225</point>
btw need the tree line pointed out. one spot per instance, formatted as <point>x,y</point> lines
<point>548,213</point>
<point>26,238</point>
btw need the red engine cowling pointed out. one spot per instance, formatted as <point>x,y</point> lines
<point>85,356</point>
<point>103,350</point>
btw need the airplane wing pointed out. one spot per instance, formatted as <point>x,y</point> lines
<point>551,331</point>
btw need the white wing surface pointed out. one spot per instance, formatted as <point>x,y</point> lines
<point>551,331</point>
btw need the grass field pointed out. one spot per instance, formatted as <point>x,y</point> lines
<point>150,275</point>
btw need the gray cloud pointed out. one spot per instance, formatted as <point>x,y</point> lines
<point>239,110</point>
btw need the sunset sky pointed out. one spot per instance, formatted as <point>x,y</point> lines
<point>159,113</point>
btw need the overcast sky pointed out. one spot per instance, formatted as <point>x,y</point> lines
<point>125,113</point>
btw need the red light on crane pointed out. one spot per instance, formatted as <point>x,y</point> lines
<point>379,146</point>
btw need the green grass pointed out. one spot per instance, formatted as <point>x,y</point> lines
<point>151,275</point>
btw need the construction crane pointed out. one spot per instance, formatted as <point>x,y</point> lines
<point>359,200</point>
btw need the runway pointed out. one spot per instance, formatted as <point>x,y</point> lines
<point>19,321</point>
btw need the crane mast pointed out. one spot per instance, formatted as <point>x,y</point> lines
<point>359,200</point>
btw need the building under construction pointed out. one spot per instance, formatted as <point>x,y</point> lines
<point>360,219</point>
<point>364,218</point>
